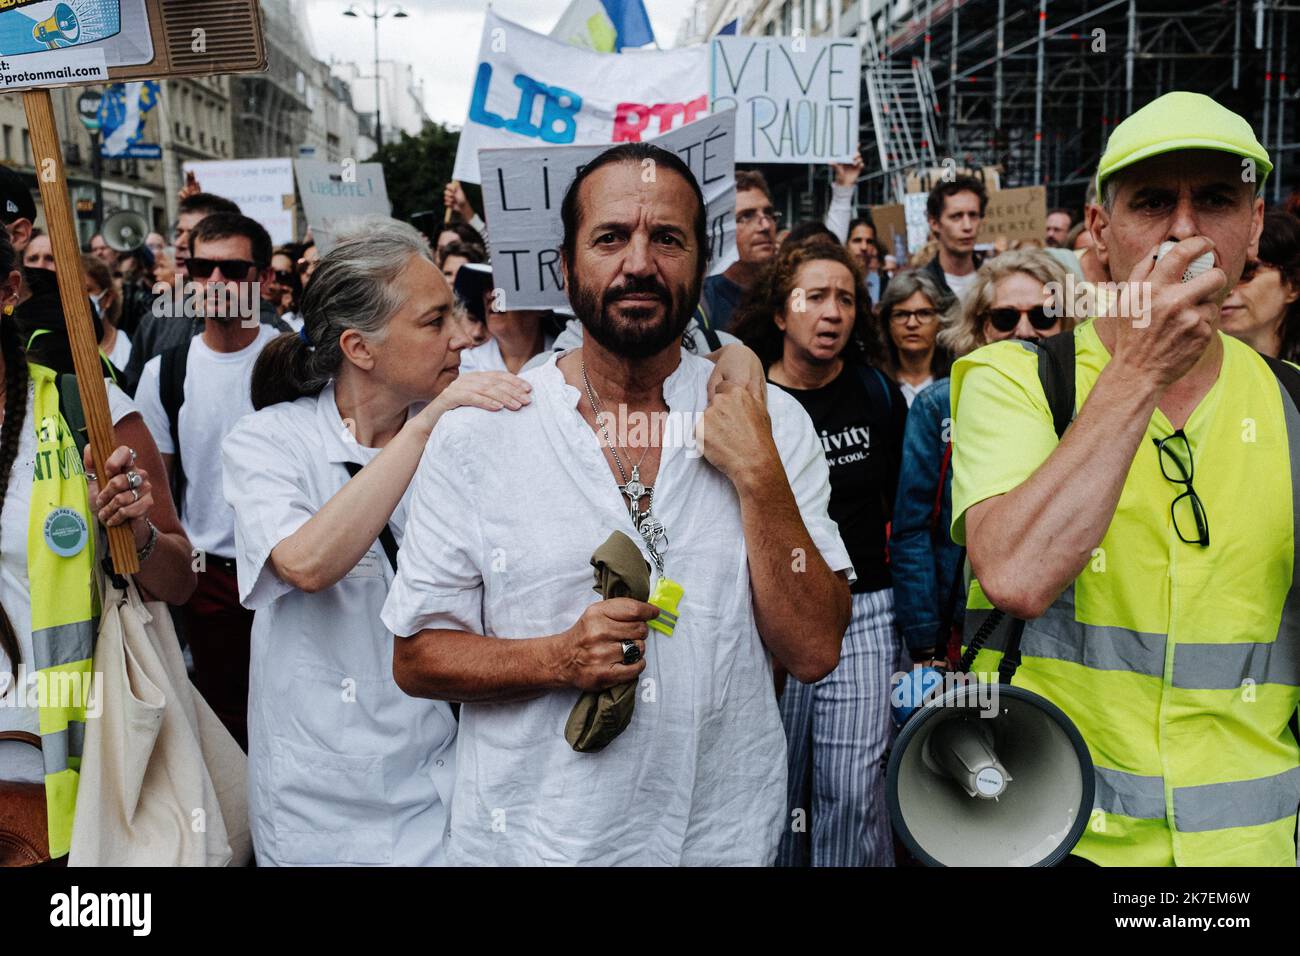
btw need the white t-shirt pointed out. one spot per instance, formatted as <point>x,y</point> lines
<point>217,394</point>
<point>343,767</point>
<point>18,761</point>
<point>121,353</point>
<point>506,510</point>
<point>960,285</point>
<point>910,391</point>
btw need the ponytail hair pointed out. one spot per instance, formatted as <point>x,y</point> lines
<point>352,288</point>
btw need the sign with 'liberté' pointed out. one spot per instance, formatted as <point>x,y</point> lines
<point>523,189</point>
<point>333,192</point>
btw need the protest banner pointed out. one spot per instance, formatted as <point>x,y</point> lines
<point>531,90</point>
<point>796,98</point>
<point>83,42</point>
<point>332,192</point>
<point>1015,214</point>
<point>918,224</point>
<point>263,189</point>
<point>523,188</point>
<point>891,229</point>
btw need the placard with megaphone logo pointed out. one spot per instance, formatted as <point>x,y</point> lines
<point>80,42</point>
<point>971,784</point>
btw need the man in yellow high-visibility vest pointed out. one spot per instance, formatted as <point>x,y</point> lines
<point>1153,548</point>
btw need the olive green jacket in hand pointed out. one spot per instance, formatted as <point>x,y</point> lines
<point>600,716</point>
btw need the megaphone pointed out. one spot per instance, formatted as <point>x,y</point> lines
<point>1012,788</point>
<point>61,25</point>
<point>125,230</point>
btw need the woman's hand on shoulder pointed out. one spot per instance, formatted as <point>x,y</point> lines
<point>490,390</point>
<point>739,365</point>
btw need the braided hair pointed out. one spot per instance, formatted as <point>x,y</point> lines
<point>15,411</point>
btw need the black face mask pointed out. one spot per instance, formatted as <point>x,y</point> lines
<point>43,313</point>
<point>41,282</point>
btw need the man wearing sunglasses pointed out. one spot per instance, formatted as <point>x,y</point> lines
<point>1152,549</point>
<point>191,396</point>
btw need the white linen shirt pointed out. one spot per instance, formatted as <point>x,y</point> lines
<point>343,766</point>
<point>506,511</point>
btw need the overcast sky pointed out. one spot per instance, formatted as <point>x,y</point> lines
<point>441,37</point>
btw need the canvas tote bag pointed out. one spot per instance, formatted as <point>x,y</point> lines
<point>163,783</point>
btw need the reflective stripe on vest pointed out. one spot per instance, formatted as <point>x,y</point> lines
<point>1058,636</point>
<point>65,604</point>
<point>1213,806</point>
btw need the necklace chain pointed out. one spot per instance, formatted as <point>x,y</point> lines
<point>656,537</point>
<point>597,407</point>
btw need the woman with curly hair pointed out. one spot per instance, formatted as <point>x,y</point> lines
<point>811,325</point>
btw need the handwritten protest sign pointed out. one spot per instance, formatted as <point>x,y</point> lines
<point>332,192</point>
<point>523,188</point>
<point>796,98</point>
<point>259,186</point>
<point>531,90</point>
<point>1015,214</point>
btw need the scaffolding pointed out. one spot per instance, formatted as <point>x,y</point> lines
<point>1035,86</point>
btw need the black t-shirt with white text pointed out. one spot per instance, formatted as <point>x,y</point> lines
<point>863,445</point>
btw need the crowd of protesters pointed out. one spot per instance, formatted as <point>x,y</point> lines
<point>390,490</point>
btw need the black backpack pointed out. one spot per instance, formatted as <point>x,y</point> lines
<point>171,390</point>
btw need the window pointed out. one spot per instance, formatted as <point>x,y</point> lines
<point>27,149</point>
<point>9,141</point>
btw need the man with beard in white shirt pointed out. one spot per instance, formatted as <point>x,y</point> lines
<point>493,604</point>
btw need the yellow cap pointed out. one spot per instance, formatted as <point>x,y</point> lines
<point>1181,121</point>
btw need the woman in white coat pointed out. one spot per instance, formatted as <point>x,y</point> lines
<point>343,767</point>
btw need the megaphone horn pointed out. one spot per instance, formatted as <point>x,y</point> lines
<point>125,230</point>
<point>990,775</point>
<point>61,25</point>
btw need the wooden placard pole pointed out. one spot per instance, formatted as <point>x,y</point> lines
<point>76,306</point>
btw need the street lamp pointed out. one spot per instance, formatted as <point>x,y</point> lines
<point>376,15</point>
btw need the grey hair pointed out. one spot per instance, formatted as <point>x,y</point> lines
<point>353,287</point>
<point>906,284</point>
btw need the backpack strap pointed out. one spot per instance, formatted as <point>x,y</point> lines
<point>702,320</point>
<point>1288,377</point>
<point>72,411</point>
<point>1056,372</point>
<point>877,386</point>
<point>386,537</point>
<point>171,391</point>
<point>938,495</point>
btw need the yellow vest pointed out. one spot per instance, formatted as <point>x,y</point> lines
<point>1179,664</point>
<point>65,602</point>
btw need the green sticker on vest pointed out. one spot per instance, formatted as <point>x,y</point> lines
<point>65,532</point>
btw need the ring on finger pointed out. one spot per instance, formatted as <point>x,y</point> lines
<point>132,451</point>
<point>134,480</point>
<point>631,652</point>
<point>135,492</point>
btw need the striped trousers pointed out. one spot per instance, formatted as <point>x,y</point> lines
<point>837,731</point>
